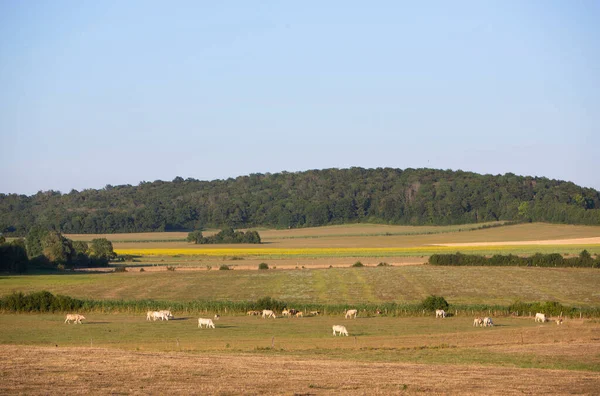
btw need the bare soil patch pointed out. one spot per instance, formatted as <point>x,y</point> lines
<point>57,370</point>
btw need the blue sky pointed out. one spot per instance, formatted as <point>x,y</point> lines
<point>116,92</point>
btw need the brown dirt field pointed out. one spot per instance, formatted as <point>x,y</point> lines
<point>573,241</point>
<point>54,370</point>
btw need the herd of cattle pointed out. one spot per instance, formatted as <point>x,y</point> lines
<point>268,313</point>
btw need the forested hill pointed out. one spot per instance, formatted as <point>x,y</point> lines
<point>311,198</point>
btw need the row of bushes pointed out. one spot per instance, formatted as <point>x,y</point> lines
<point>47,302</point>
<point>584,260</point>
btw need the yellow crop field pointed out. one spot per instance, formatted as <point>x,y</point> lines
<point>354,252</point>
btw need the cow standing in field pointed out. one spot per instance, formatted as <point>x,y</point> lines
<point>285,312</point>
<point>217,316</point>
<point>253,313</point>
<point>477,322</point>
<point>205,322</point>
<point>340,329</point>
<point>299,314</point>
<point>440,313</point>
<point>487,322</point>
<point>315,313</point>
<point>76,318</point>
<point>267,313</point>
<point>540,317</point>
<point>167,314</point>
<point>559,321</point>
<point>350,313</point>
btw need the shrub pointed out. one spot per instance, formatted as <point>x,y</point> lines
<point>170,268</point>
<point>120,269</point>
<point>263,266</point>
<point>142,269</point>
<point>432,303</point>
<point>270,303</point>
<point>208,267</point>
<point>224,267</point>
<point>358,264</point>
<point>383,264</point>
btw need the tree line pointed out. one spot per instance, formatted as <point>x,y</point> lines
<point>584,260</point>
<point>49,249</point>
<point>227,235</point>
<point>44,301</point>
<point>304,199</point>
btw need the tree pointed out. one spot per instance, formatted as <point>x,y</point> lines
<point>102,249</point>
<point>57,248</point>
<point>195,236</point>
<point>33,242</point>
<point>2,239</point>
<point>432,303</point>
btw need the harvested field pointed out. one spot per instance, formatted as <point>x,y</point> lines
<point>52,370</point>
<point>460,285</point>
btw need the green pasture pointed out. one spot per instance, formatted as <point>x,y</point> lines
<point>406,284</point>
<point>422,340</point>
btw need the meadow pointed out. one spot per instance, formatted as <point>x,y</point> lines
<point>384,354</point>
<point>296,355</point>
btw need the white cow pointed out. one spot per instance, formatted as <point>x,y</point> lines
<point>477,322</point>
<point>267,313</point>
<point>488,322</point>
<point>340,329</point>
<point>285,312</point>
<point>205,322</point>
<point>159,315</point>
<point>217,316</point>
<point>167,314</point>
<point>350,313</point>
<point>540,317</point>
<point>440,313</point>
<point>559,321</point>
<point>76,318</point>
<point>149,315</point>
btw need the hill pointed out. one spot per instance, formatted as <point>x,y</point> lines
<point>304,199</point>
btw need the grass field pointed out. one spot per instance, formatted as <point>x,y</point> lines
<point>122,353</point>
<point>376,339</point>
<point>127,354</point>
<point>408,284</point>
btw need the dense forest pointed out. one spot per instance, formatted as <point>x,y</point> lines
<point>303,199</point>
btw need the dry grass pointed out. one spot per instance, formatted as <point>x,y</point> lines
<point>48,370</point>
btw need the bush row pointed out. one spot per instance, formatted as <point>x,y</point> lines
<point>47,302</point>
<point>584,260</point>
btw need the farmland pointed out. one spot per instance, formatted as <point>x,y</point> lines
<point>412,353</point>
<point>384,354</point>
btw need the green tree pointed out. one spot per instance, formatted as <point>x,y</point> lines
<point>102,249</point>
<point>195,236</point>
<point>57,248</point>
<point>33,242</point>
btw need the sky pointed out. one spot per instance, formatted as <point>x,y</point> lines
<point>118,92</point>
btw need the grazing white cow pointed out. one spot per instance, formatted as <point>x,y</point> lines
<point>488,322</point>
<point>540,317</point>
<point>350,313</point>
<point>315,313</point>
<point>205,322</point>
<point>267,313</point>
<point>477,322</point>
<point>76,318</point>
<point>440,313</point>
<point>149,315</point>
<point>167,314</point>
<point>159,315</point>
<point>340,329</point>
